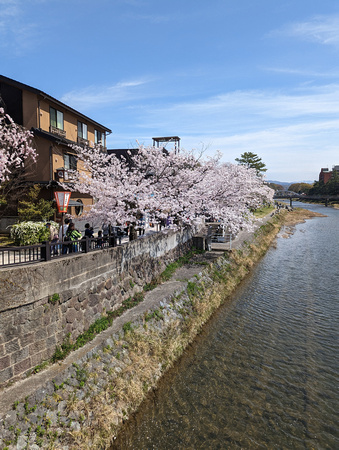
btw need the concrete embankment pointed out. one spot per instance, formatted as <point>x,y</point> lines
<point>83,401</point>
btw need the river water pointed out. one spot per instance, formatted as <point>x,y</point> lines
<point>264,372</point>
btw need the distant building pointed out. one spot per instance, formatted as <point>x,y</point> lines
<point>326,175</point>
<point>55,126</point>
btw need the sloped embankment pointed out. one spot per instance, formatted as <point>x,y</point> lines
<point>85,405</point>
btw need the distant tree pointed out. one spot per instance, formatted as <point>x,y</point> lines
<point>252,161</point>
<point>276,187</point>
<point>33,208</point>
<point>329,188</point>
<point>300,188</point>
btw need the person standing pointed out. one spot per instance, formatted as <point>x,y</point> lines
<point>73,235</point>
<point>62,233</point>
<point>88,231</point>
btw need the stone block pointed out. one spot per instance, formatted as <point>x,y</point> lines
<point>52,328</point>
<point>5,362</point>
<point>50,350</point>
<point>108,284</point>
<point>41,334</point>
<point>20,318</point>
<point>47,318</point>
<point>19,355</point>
<point>2,349</point>
<point>82,296</point>
<point>51,342</point>
<point>38,358</point>
<point>37,313</point>
<point>77,305</point>
<point>12,346</point>
<point>22,366</point>
<point>6,375</point>
<point>9,333</point>
<point>68,329</point>
<point>71,315</point>
<point>93,300</point>
<point>55,313</point>
<point>100,286</point>
<point>37,347</point>
<point>26,339</point>
<point>32,325</point>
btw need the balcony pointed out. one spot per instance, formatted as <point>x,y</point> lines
<point>82,141</point>
<point>65,175</point>
<point>57,131</point>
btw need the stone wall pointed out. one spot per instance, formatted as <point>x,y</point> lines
<point>32,324</point>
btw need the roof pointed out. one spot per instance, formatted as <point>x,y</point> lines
<point>19,85</point>
<point>166,139</point>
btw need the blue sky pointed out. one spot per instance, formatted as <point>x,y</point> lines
<point>228,75</point>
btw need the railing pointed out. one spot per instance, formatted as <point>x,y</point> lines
<point>57,131</point>
<point>47,251</point>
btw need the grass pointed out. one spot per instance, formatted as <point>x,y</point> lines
<point>6,241</point>
<point>262,212</point>
<point>106,321</point>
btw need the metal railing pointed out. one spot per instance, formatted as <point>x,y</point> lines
<point>46,251</point>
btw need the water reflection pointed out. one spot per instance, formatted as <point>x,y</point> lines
<point>264,373</point>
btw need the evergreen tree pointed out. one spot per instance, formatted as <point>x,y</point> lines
<point>33,208</point>
<point>252,161</point>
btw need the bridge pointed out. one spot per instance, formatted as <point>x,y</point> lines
<point>289,195</point>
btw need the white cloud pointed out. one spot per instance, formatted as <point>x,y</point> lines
<point>245,110</point>
<point>296,133</point>
<point>303,72</point>
<point>95,96</point>
<point>320,29</point>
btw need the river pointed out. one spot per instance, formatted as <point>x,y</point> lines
<point>264,372</point>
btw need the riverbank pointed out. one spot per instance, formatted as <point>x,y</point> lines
<point>83,401</point>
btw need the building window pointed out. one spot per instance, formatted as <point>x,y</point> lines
<point>99,138</point>
<point>57,118</point>
<point>82,130</point>
<point>79,209</point>
<point>70,162</point>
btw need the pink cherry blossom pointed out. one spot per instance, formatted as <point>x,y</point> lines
<point>159,184</point>
<point>15,146</point>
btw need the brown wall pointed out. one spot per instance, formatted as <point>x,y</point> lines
<point>30,109</point>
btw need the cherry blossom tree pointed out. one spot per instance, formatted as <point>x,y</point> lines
<point>160,183</point>
<point>115,186</point>
<point>17,161</point>
<point>15,146</point>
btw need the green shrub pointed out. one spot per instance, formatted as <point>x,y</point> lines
<point>30,233</point>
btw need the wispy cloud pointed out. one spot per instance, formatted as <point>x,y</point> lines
<point>303,72</point>
<point>300,126</point>
<point>320,29</point>
<point>16,34</point>
<point>99,96</point>
<point>246,109</point>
